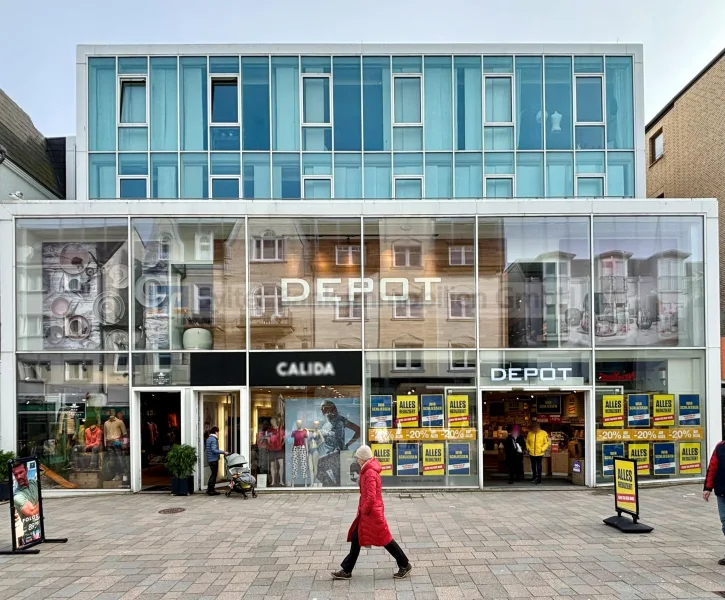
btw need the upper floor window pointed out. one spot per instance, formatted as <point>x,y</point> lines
<point>407,255</point>
<point>347,255</point>
<point>268,247</point>
<point>132,101</point>
<point>657,146</point>
<point>224,100</point>
<point>204,246</point>
<point>407,100</point>
<point>462,357</point>
<point>410,308</point>
<point>203,299</point>
<point>410,359</point>
<point>316,100</point>
<point>459,256</point>
<point>461,306</point>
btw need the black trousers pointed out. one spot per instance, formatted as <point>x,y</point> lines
<point>516,467</point>
<point>536,467</point>
<point>395,551</point>
<point>214,468</point>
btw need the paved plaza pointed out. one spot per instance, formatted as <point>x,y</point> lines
<point>542,544</point>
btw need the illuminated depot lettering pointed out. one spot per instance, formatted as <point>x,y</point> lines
<point>298,290</point>
<point>527,373</point>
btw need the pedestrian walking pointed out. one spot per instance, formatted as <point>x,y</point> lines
<point>212,459</point>
<point>537,443</point>
<point>370,527</point>
<point>715,480</point>
<point>513,447</point>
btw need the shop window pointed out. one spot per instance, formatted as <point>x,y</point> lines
<point>410,308</point>
<point>459,256</point>
<point>132,99</point>
<point>268,248</point>
<point>347,255</point>
<point>407,255</point>
<point>461,306</point>
<point>409,359</point>
<point>204,246</point>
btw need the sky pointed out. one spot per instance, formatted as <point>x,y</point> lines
<point>39,38</point>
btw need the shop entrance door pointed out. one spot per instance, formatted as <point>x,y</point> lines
<point>160,414</point>
<point>218,409</point>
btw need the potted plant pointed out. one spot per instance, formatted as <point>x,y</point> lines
<point>5,485</point>
<point>181,462</point>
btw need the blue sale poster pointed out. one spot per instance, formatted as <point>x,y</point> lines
<point>432,410</point>
<point>664,458</point>
<point>609,452</point>
<point>408,459</point>
<point>459,459</point>
<point>689,409</point>
<point>638,410</point>
<point>381,411</point>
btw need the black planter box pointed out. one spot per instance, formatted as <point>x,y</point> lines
<point>182,487</point>
<point>4,491</point>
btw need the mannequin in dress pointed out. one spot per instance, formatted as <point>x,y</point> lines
<point>315,440</point>
<point>299,452</point>
<point>556,121</point>
<point>276,453</point>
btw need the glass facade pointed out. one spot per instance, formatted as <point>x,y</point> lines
<point>464,115</point>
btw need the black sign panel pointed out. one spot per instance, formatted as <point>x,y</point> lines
<point>218,368</point>
<point>305,368</point>
<point>161,378</point>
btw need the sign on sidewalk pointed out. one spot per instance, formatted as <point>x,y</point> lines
<point>626,497</point>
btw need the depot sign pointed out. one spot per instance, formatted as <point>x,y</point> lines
<point>298,290</point>
<point>529,373</point>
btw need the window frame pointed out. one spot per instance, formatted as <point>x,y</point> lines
<point>407,305</point>
<point>600,177</point>
<point>468,313</point>
<point>513,107</point>
<point>118,367</point>
<point>258,292</point>
<point>420,178</point>
<point>121,79</point>
<point>407,351</point>
<point>350,251</point>
<point>82,370</point>
<point>120,178</point>
<point>511,178</point>
<point>603,92</point>
<point>196,297</point>
<point>419,77</point>
<point>198,254</point>
<point>653,156</point>
<point>303,123</point>
<point>461,248</point>
<point>357,301</point>
<point>221,77</point>
<point>306,178</point>
<point>279,247</point>
<point>469,361</point>
<point>407,246</point>
<point>213,178</point>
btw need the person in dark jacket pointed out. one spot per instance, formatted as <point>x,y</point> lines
<point>513,447</point>
<point>715,480</point>
<point>370,527</point>
<point>212,459</point>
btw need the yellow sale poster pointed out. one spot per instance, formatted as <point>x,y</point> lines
<point>407,411</point>
<point>613,411</point>
<point>664,410</point>
<point>624,485</point>
<point>384,454</point>
<point>458,415</point>
<point>640,453</point>
<point>433,461</point>
<point>690,458</point>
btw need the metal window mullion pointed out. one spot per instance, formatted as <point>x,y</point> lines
<point>544,137</point>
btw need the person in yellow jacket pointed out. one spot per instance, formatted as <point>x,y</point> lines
<point>537,443</point>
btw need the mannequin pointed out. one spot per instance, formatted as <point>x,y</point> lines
<point>276,453</point>
<point>538,117</point>
<point>115,432</point>
<point>315,440</point>
<point>299,452</point>
<point>556,121</point>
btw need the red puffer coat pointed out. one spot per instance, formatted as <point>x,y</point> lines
<point>372,528</point>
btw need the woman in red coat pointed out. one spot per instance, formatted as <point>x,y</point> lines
<point>370,527</point>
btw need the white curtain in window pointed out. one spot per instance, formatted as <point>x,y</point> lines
<point>166,182</point>
<point>285,106</point>
<point>472,99</point>
<point>164,118</point>
<point>498,100</point>
<point>133,102</point>
<point>192,102</point>
<point>407,100</point>
<point>348,180</point>
<point>439,108</point>
<point>315,101</point>
<point>619,115</point>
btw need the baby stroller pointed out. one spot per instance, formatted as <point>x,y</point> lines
<point>240,477</point>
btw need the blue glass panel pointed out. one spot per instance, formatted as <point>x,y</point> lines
<point>439,175</point>
<point>499,188</point>
<point>225,164</point>
<point>286,176</point>
<point>348,176</point>
<point>255,103</point>
<point>499,163</point>
<point>559,103</point>
<point>559,174</point>
<point>317,164</point>
<point>316,100</point>
<point>376,103</point>
<point>438,77</point>
<point>407,163</point>
<point>164,176</point>
<point>590,162</point>
<point>318,188</point>
<point>285,103</point>
<point>347,99</point>
<point>589,137</point>
<point>469,175</point>
<point>407,64</point>
<point>102,104</point>
<point>498,99</point>
<point>225,138</point>
<point>134,139</point>
<point>133,164</point>
<point>164,104</point>
<point>377,176</point>
<point>316,64</point>
<point>620,103</point>
<point>102,176</point>
<point>407,99</point>
<point>407,138</point>
<point>620,174</point>
<point>590,187</point>
<point>409,188</point>
<point>498,138</point>
<point>498,64</point>
<point>530,175</point>
<point>227,189</point>
<point>588,64</point>
<point>317,138</point>
<point>224,100</point>
<point>193,103</point>
<point>132,188</point>
<point>257,176</point>
<point>224,64</point>
<point>529,102</point>
<point>133,65</point>
<point>589,100</point>
<point>194,176</point>
<point>468,103</point>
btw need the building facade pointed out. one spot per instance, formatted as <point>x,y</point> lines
<point>313,247</point>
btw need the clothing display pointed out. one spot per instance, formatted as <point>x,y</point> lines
<point>114,430</point>
<point>299,458</point>
<point>298,437</point>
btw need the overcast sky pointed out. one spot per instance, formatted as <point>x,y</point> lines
<point>37,59</point>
